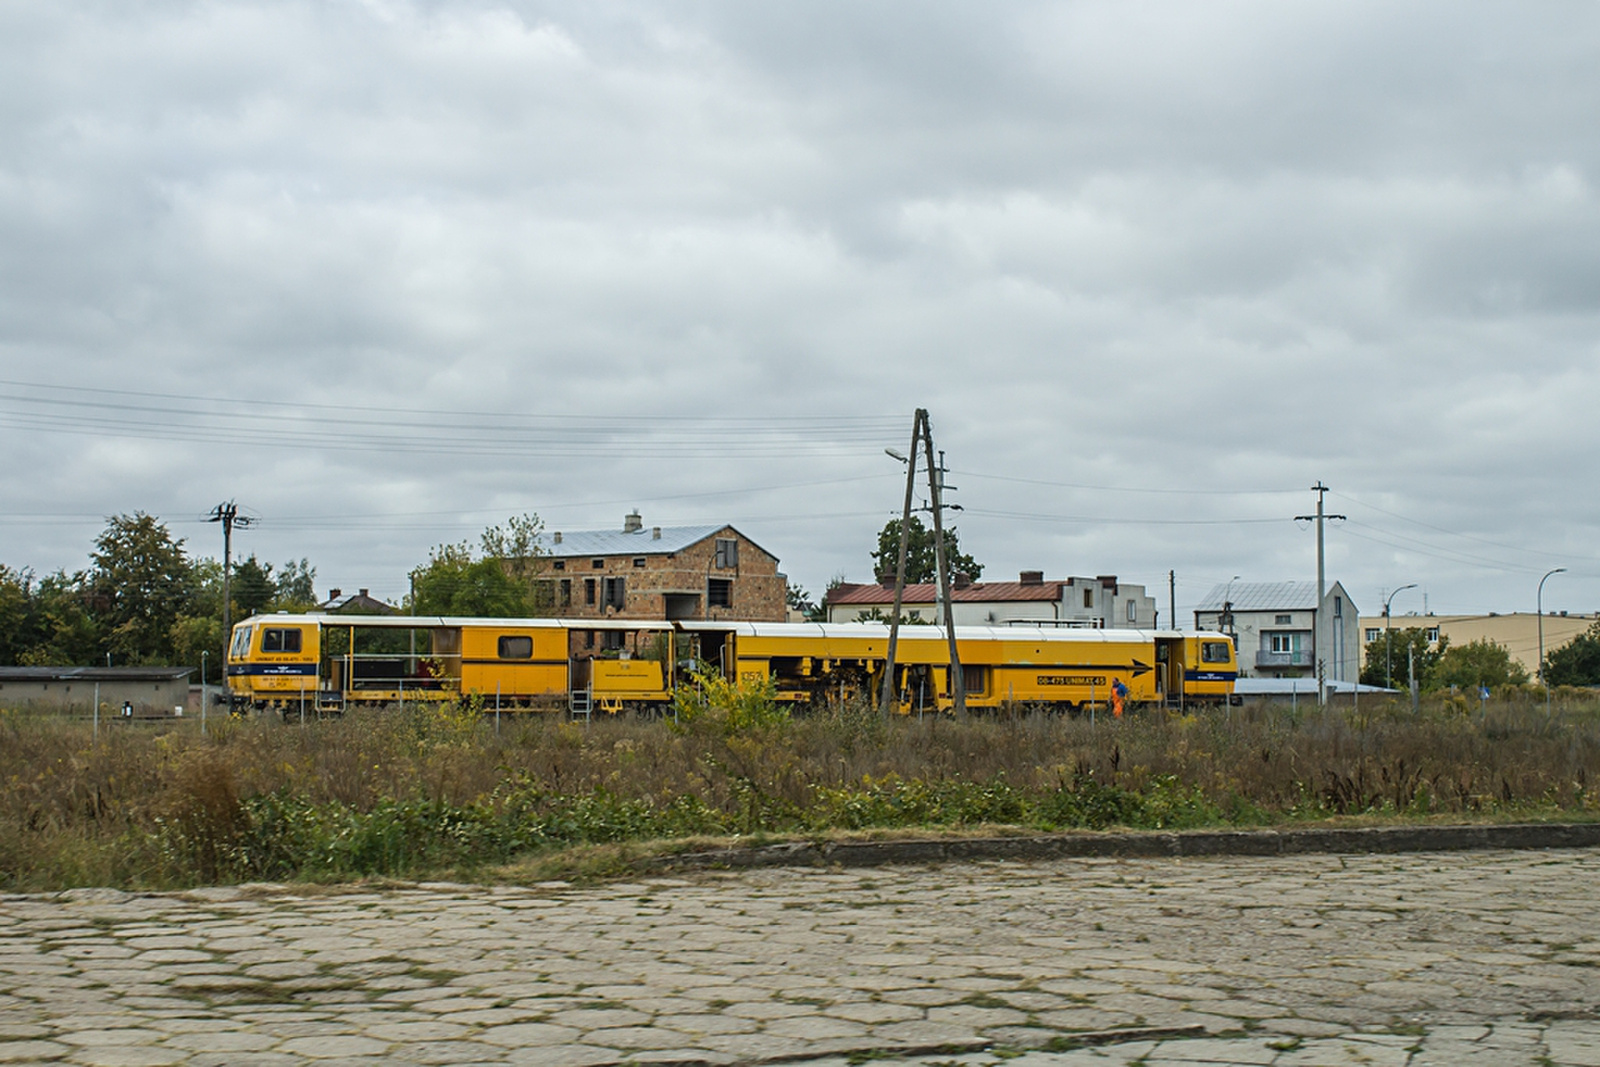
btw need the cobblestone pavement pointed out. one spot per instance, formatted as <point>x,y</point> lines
<point>1448,958</point>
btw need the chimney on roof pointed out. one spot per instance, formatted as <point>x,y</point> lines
<point>962,580</point>
<point>632,523</point>
<point>333,594</point>
<point>1107,581</point>
<point>1032,577</point>
<point>655,533</point>
<point>364,593</point>
<point>557,537</point>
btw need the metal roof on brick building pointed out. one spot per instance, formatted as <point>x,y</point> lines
<point>645,541</point>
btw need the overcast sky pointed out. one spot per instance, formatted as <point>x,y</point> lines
<point>387,273</point>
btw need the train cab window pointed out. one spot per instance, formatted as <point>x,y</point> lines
<point>241,643</point>
<point>1214,652</point>
<point>516,647</point>
<point>274,640</point>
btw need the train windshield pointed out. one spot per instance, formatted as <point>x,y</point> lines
<point>241,642</point>
<point>1214,652</point>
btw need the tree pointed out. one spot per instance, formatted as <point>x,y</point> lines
<point>252,588</point>
<point>140,583</point>
<point>61,630</point>
<point>1577,662</point>
<point>295,585</point>
<point>800,600</point>
<point>1476,663</point>
<point>922,563</point>
<point>1398,648</point>
<point>16,611</point>
<point>193,634</point>
<point>502,582</point>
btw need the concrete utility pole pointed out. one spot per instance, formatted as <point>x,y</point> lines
<point>936,486</point>
<point>1321,620</point>
<point>1172,598</point>
<point>900,566</point>
<point>227,513</point>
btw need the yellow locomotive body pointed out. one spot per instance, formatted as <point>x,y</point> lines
<point>332,661</point>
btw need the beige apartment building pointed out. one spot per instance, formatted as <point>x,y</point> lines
<point>1517,633</point>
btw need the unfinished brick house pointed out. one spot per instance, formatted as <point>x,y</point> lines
<point>662,572</point>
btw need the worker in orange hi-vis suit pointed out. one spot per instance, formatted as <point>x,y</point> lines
<point>1119,697</point>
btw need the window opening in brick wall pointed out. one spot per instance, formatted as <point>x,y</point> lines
<point>727,552</point>
<point>566,592</point>
<point>638,561</point>
<point>588,591</point>
<point>614,593</point>
<point>719,593</point>
<point>598,564</point>
<point>560,564</point>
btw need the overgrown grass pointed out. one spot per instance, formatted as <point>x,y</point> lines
<point>414,790</point>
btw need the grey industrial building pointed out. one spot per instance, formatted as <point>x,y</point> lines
<point>147,690</point>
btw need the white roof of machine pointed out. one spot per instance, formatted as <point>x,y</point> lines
<point>426,621</point>
<point>912,632</point>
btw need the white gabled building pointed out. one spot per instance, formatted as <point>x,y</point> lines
<point>1099,603</point>
<point>1274,626</point>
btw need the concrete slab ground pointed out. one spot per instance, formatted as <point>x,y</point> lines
<point>1487,957</point>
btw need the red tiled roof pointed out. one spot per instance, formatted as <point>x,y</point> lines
<point>922,593</point>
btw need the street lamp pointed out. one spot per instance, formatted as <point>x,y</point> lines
<point>1542,681</point>
<point>1388,642</point>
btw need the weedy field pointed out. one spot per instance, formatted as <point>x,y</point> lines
<point>415,791</point>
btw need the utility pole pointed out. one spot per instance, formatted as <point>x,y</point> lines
<point>900,566</point>
<point>935,490</point>
<point>1321,620</point>
<point>227,513</point>
<point>1172,598</point>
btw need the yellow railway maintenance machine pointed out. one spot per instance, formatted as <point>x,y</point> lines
<point>1060,668</point>
<point>326,663</point>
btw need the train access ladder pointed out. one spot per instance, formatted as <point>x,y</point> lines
<point>580,704</point>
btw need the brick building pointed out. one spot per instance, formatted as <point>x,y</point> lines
<point>662,572</point>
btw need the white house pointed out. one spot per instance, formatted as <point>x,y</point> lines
<point>1100,603</point>
<point>1274,626</point>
